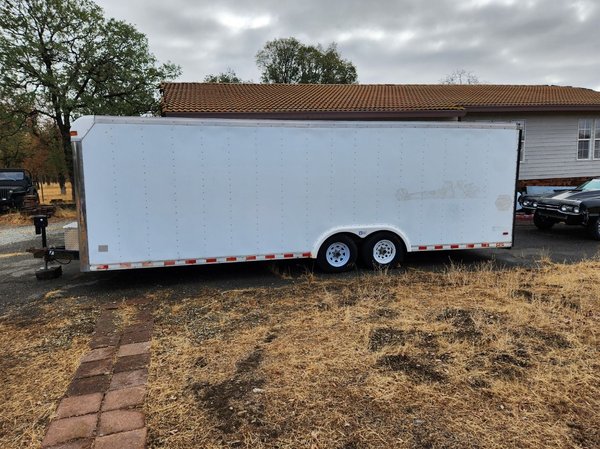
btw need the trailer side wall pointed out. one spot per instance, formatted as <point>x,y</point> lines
<point>164,190</point>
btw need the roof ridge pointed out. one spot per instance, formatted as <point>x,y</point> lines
<point>467,86</point>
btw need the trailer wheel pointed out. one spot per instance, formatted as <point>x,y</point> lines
<point>542,222</point>
<point>382,250</point>
<point>337,254</point>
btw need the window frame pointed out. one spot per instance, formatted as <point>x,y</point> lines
<point>593,139</point>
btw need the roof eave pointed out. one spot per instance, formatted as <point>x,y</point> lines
<point>535,108</point>
<point>325,115</point>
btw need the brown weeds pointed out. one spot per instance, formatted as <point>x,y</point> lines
<point>40,348</point>
<point>467,358</point>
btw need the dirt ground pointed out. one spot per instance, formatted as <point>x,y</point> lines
<point>457,349</point>
<point>40,348</point>
<point>467,358</point>
<point>49,192</point>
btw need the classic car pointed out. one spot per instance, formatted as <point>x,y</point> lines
<point>580,206</point>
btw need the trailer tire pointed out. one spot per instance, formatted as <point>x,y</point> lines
<point>382,250</point>
<point>338,253</point>
<point>541,222</point>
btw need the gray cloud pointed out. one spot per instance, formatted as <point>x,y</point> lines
<point>389,41</point>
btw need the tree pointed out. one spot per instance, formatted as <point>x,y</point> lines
<point>228,76</point>
<point>461,76</point>
<point>66,59</point>
<point>288,61</point>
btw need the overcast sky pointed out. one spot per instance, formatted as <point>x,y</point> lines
<point>389,41</point>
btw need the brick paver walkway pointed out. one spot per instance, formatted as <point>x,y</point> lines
<point>102,406</point>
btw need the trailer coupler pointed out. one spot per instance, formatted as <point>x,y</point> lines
<point>60,255</point>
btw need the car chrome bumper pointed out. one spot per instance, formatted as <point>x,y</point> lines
<point>568,218</point>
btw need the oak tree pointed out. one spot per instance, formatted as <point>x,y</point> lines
<point>67,59</point>
<point>289,61</point>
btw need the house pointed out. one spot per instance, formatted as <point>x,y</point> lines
<point>561,138</point>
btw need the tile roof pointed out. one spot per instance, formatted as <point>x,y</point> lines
<point>207,98</point>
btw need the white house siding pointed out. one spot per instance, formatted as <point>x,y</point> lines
<point>550,145</point>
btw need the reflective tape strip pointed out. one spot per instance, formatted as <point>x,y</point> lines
<point>461,246</point>
<point>203,261</point>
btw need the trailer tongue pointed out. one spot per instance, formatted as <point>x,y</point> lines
<point>162,192</point>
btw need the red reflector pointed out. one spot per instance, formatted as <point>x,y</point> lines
<point>169,262</point>
<point>422,248</point>
<point>270,256</point>
<point>250,257</point>
<point>73,133</point>
<point>147,264</point>
<point>485,245</point>
<point>102,267</point>
<point>454,246</point>
<point>288,255</point>
<point>470,245</point>
<point>213,260</point>
<point>190,261</point>
<point>499,245</point>
<point>231,259</point>
<point>305,254</point>
<point>438,246</point>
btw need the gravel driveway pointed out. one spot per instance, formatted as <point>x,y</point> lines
<point>19,286</point>
<point>16,234</point>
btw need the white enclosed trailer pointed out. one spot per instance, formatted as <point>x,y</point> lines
<point>156,192</point>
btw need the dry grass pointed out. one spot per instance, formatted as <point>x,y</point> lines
<point>52,192</point>
<point>40,348</point>
<point>63,213</point>
<point>462,359</point>
<point>16,219</point>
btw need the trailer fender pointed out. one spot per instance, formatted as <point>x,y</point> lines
<point>361,232</point>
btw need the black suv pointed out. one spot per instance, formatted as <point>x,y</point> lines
<point>15,183</point>
<point>580,206</point>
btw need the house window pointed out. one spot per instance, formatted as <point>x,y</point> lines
<point>597,139</point>
<point>588,137</point>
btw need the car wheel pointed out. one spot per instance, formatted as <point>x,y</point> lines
<point>337,254</point>
<point>542,222</point>
<point>382,250</point>
<point>594,228</point>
